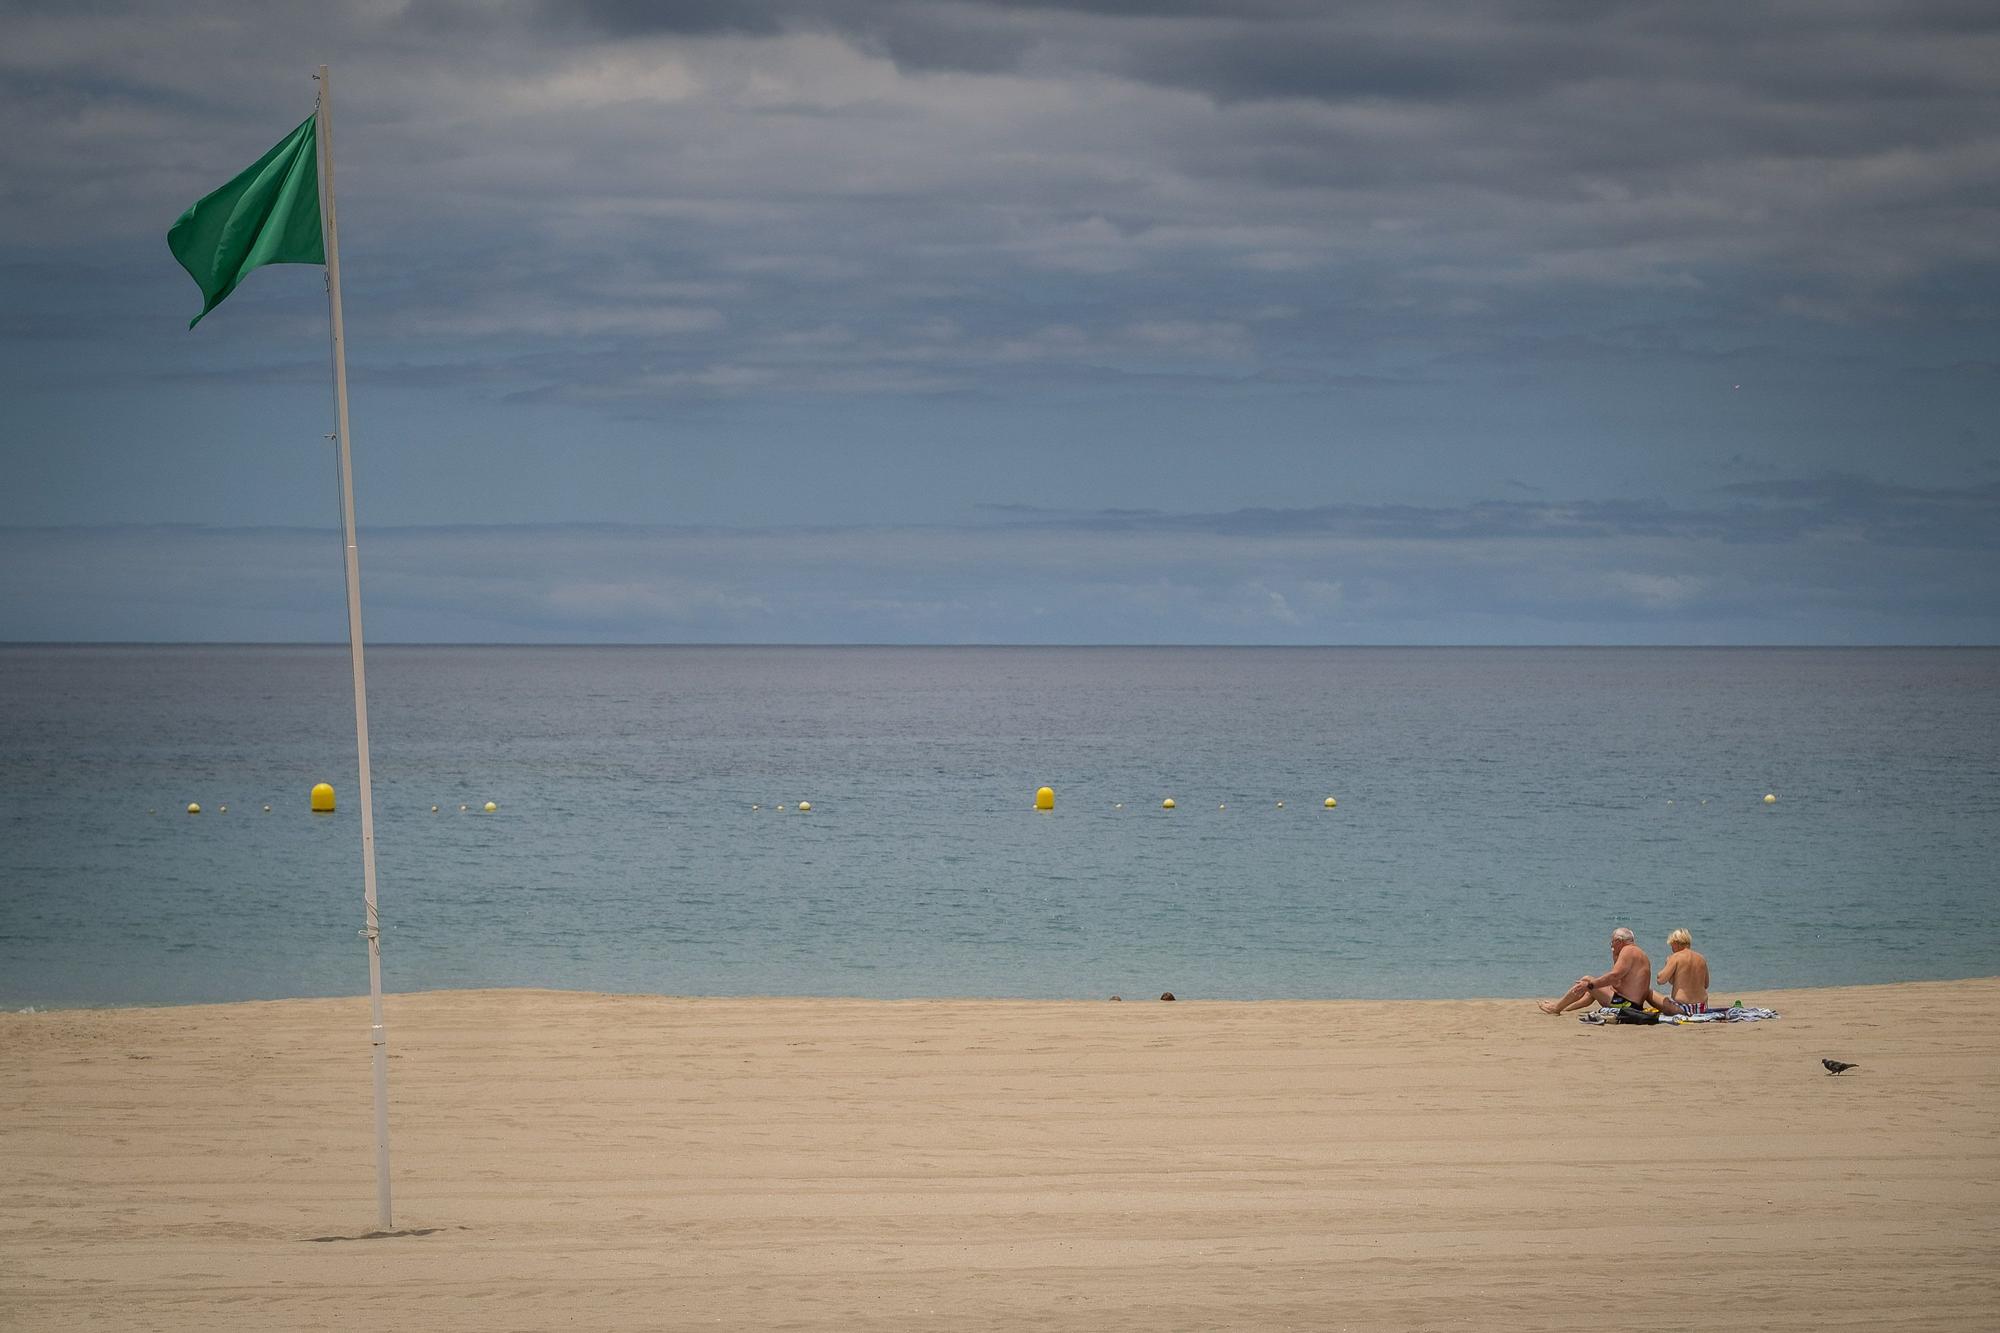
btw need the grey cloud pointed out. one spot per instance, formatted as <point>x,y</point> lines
<point>1041,512</point>
<point>918,40</point>
<point>1764,512</point>
<point>626,18</point>
<point>1402,58</point>
<point>1510,244</point>
<point>1348,574</point>
<point>1359,148</point>
<point>1879,512</point>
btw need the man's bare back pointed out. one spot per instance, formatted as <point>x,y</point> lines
<point>1631,976</point>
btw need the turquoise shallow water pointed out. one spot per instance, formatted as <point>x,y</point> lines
<point>1499,811</point>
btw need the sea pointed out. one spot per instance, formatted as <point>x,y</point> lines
<point>1497,812</point>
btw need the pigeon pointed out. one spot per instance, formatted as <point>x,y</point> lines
<point>1836,1066</point>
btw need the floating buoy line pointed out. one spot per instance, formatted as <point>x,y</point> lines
<point>322,800</point>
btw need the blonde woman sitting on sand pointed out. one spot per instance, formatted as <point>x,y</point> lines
<point>1687,972</point>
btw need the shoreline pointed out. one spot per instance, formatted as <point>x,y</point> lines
<point>629,1162</point>
<point>1761,996</point>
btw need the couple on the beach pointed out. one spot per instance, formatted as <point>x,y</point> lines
<point>1629,983</point>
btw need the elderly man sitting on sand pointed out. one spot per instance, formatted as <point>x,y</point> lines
<point>1627,984</point>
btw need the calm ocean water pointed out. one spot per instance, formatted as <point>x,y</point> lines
<point>1499,811</point>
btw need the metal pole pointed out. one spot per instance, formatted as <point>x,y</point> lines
<point>378,1036</point>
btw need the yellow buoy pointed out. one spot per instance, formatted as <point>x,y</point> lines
<point>1118,805</point>
<point>267,809</point>
<point>781,809</point>
<point>1770,799</point>
<point>1167,804</point>
<point>1045,798</point>
<point>193,808</point>
<point>490,807</point>
<point>434,809</point>
<point>1329,803</point>
<point>221,809</point>
<point>322,798</point>
<point>1281,805</point>
<point>1222,807</point>
<point>805,806</point>
<point>757,807</point>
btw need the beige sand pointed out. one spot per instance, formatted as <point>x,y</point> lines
<point>612,1162</point>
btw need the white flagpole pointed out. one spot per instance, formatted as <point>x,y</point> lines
<point>378,1036</point>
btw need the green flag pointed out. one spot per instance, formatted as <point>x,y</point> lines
<point>267,215</point>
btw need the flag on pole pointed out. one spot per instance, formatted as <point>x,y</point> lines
<point>271,215</point>
<point>267,215</point>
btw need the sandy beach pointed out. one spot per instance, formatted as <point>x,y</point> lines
<point>614,1162</point>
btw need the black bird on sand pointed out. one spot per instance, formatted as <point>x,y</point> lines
<point>1836,1066</point>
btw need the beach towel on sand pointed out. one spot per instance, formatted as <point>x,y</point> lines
<point>1742,1013</point>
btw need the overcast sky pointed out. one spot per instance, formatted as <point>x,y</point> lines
<point>1119,321</point>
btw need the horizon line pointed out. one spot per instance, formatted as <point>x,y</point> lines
<point>344,645</point>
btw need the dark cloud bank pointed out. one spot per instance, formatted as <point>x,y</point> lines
<point>1834,560</point>
<point>1260,322</point>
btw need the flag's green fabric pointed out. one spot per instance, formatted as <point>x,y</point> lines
<point>268,215</point>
